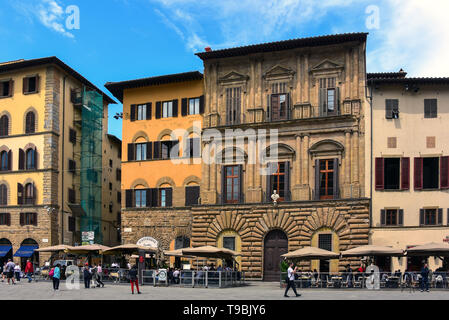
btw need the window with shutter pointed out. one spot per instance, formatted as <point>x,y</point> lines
<point>391,108</point>
<point>231,184</point>
<point>326,179</point>
<point>192,195</point>
<point>20,194</point>
<point>418,173</point>
<point>131,152</point>
<point>158,109</point>
<point>233,105</point>
<point>184,107</point>
<point>132,112</point>
<point>430,173</point>
<point>405,173</point>
<point>21,159</point>
<point>382,217</point>
<point>4,126</point>
<point>3,195</point>
<point>430,108</point>
<point>72,136</point>
<point>444,173</point>
<point>201,104</point>
<point>72,166</point>
<point>149,111</point>
<point>391,179</point>
<point>129,198</point>
<point>6,88</point>
<point>175,108</point>
<point>30,122</point>
<point>31,85</point>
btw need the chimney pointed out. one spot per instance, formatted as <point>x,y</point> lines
<point>208,49</point>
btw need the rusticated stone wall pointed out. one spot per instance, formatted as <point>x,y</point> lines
<point>349,219</point>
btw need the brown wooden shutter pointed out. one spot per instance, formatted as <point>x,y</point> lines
<point>175,108</point>
<point>36,159</point>
<point>447,222</point>
<point>287,196</point>
<point>440,216</point>
<point>149,150</point>
<point>223,184</point>
<point>20,194</point>
<point>421,217</point>
<point>148,198</point>
<point>169,197</point>
<point>241,178</point>
<point>405,173</point>
<point>202,104</point>
<point>129,198</point>
<point>444,173</point>
<point>10,160</point>
<point>154,197</point>
<point>8,219</point>
<point>287,106</point>
<point>317,179</point>
<point>156,150</point>
<point>184,107</point>
<point>158,110</point>
<point>418,173</point>
<point>35,219</point>
<point>336,186</point>
<point>131,152</point>
<point>21,159</point>
<point>11,88</point>
<point>401,217</point>
<point>149,111</point>
<point>26,82</point>
<point>133,112</point>
<point>379,175</point>
<point>268,116</point>
<point>38,83</point>
<point>22,218</point>
<point>323,102</point>
<point>383,217</point>
<point>388,109</point>
<point>337,100</point>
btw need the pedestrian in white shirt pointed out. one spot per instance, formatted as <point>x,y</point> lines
<point>17,271</point>
<point>291,280</point>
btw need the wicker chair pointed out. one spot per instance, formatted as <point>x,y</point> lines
<point>329,282</point>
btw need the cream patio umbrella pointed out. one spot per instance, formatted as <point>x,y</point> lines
<point>210,252</point>
<point>90,248</point>
<point>311,253</point>
<point>429,249</point>
<point>58,248</point>
<point>128,249</point>
<point>371,251</point>
<point>176,253</point>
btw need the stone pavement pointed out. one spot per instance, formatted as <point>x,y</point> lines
<point>254,291</point>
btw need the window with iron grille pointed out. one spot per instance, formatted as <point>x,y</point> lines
<point>229,243</point>
<point>233,105</point>
<point>3,194</point>
<point>182,242</point>
<point>325,241</point>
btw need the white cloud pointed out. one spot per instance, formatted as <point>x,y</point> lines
<point>414,36</point>
<point>240,22</point>
<point>51,15</point>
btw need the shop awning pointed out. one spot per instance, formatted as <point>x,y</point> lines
<point>4,250</point>
<point>25,251</point>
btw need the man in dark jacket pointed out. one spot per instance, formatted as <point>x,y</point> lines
<point>425,278</point>
<point>87,276</point>
<point>133,279</point>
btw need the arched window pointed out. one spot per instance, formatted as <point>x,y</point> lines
<point>3,194</point>
<point>4,126</point>
<point>30,122</point>
<point>4,161</point>
<point>29,193</point>
<point>30,159</point>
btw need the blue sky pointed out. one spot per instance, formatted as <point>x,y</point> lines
<point>128,39</point>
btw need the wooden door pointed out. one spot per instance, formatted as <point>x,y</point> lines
<point>275,245</point>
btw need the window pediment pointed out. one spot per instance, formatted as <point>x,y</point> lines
<point>233,77</point>
<point>278,72</point>
<point>327,65</point>
<point>327,147</point>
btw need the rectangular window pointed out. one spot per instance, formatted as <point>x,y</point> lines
<point>326,179</point>
<point>430,108</point>
<point>194,106</point>
<point>110,163</point>
<point>72,224</point>
<point>391,218</point>
<point>30,219</point>
<point>279,106</point>
<point>167,109</point>
<point>233,105</point>
<point>430,173</point>
<point>72,136</point>
<point>30,85</point>
<point>232,184</point>
<point>142,112</point>
<point>141,151</point>
<point>6,89</point>
<point>118,174</point>
<point>391,108</point>
<point>278,181</point>
<point>325,241</point>
<point>229,243</point>
<point>119,197</point>
<point>110,186</point>
<point>391,173</point>
<point>141,198</point>
<point>72,196</point>
<point>192,195</point>
<point>72,166</point>
<point>4,219</point>
<point>430,217</point>
<point>193,148</point>
<point>165,197</point>
<point>329,96</point>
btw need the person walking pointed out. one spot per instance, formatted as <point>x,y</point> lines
<point>56,277</point>
<point>133,279</point>
<point>17,271</point>
<point>425,278</point>
<point>10,271</point>
<point>100,275</point>
<point>96,277</point>
<point>291,280</point>
<point>29,270</point>
<point>86,276</point>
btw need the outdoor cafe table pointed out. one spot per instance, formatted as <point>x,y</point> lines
<point>337,281</point>
<point>393,281</point>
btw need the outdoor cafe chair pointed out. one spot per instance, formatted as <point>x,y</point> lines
<point>315,283</point>
<point>329,282</point>
<point>345,282</point>
<point>357,281</point>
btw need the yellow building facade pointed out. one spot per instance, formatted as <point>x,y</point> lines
<point>161,167</point>
<point>40,139</point>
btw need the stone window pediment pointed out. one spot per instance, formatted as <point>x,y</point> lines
<point>278,73</point>
<point>326,66</point>
<point>233,78</point>
<point>326,147</point>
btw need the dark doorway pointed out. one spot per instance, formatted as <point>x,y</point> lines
<point>325,242</point>
<point>430,173</point>
<point>415,263</point>
<point>275,245</point>
<point>384,263</point>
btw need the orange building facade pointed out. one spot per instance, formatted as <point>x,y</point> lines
<point>161,164</point>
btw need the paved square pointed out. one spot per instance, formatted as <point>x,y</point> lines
<point>253,291</point>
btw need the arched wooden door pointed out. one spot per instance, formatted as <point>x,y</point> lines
<point>275,245</point>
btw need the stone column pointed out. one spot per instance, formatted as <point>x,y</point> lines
<point>297,170</point>
<point>355,85</point>
<point>298,79</point>
<point>304,189</point>
<point>355,165</point>
<point>347,76</point>
<point>306,95</point>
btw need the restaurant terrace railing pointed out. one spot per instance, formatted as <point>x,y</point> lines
<point>387,280</point>
<point>191,278</point>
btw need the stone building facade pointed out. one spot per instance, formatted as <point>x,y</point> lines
<point>312,91</point>
<point>38,118</point>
